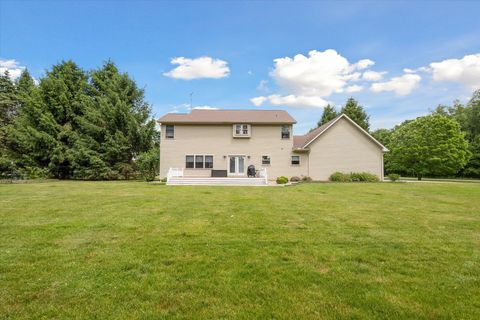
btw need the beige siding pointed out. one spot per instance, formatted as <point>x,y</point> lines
<point>344,148</point>
<point>217,140</point>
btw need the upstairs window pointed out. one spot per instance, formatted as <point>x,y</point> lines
<point>169,131</point>
<point>295,160</point>
<point>285,132</point>
<point>266,160</point>
<point>241,130</point>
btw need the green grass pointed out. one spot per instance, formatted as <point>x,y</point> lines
<point>132,250</point>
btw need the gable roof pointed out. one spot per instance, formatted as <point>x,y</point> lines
<point>302,142</point>
<point>229,117</point>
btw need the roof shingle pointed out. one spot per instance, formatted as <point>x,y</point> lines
<point>230,116</point>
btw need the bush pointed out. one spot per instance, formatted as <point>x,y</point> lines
<point>148,164</point>
<point>353,177</point>
<point>282,180</point>
<point>294,179</point>
<point>340,177</point>
<point>364,177</point>
<point>393,177</point>
<point>36,172</point>
<point>306,179</point>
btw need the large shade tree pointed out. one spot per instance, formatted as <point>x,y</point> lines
<point>430,145</point>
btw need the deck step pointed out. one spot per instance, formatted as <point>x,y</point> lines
<point>217,181</point>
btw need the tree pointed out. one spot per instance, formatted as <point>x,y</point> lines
<point>356,113</point>
<point>9,105</point>
<point>148,164</point>
<point>430,145</point>
<point>115,129</point>
<point>45,131</point>
<point>328,114</point>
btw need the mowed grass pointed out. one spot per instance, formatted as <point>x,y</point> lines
<point>133,250</point>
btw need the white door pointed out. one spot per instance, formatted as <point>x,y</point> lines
<point>236,165</point>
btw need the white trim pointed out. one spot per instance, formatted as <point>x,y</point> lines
<point>384,149</point>
<point>236,173</point>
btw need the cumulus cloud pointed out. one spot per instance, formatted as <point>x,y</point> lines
<point>306,81</point>
<point>354,88</point>
<point>12,66</point>
<point>203,67</point>
<point>373,75</point>
<point>263,85</point>
<point>402,85</point>
<point>465,71</point>
<point>320,74</point>
<point>290,100</point>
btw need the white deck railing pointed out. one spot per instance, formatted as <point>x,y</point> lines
<point>263,174</point>
<point>174,172</point>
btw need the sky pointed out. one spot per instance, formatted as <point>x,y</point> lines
<point>398,59</point>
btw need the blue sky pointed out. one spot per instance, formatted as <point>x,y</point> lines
<point>399,59</point>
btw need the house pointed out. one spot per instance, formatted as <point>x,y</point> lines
<point>223,143</point>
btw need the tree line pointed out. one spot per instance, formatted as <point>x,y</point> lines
<point>75,124</point>
<point>445,142</point>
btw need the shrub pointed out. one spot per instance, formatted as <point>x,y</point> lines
<point>164,180</point>
<point>294,179</point>
<point>282,180</point>
<point>340,177</point>
<point>148,164</point>
<point>393,177</point>
<point>363,177</point>
<point>306,179</point>
<point>354,177</point>
<point>36,172</point>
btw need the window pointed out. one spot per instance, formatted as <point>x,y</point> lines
<point>189,162</point>
<point>198,161</point>
<point>296,160</point>
<point>286,132</point>
<point>241,130</point>
<point>265,159</point>
<point>208,162</point>
<point>169,131</point>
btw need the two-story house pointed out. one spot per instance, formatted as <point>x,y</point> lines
<point>206,143</point>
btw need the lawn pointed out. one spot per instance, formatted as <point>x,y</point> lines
<point>134,250</point>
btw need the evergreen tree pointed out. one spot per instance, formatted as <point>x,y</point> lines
<point>9,105</point>
<point>115,129</point>
<point>45,131</point>
<point>356,113</point>
<point>328,114</point>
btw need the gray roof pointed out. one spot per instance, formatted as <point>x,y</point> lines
<point>230,117</point>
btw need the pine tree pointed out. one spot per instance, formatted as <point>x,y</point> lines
<point>356,113</point>
<point>328,114</point>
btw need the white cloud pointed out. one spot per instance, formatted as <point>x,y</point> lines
<point>290,100</point>
<point>465,71</point>
<point>363,64</point>
<point>12,66</point>
<point>263,85</point>
<point>203,67</point>
<point>373,75</point>
<point>205,108</point>
<point>402,85</point>
<point>354,88</point>
<point>320,74</point>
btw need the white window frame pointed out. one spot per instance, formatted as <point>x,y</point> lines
<point>289,131</point>
<point>269,160</point>
<point>244,130</point>
<point>195,161</point>
<point>295,164</point>
<point>166,136</point>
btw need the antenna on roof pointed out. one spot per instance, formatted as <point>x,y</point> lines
<point>191,106</point>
